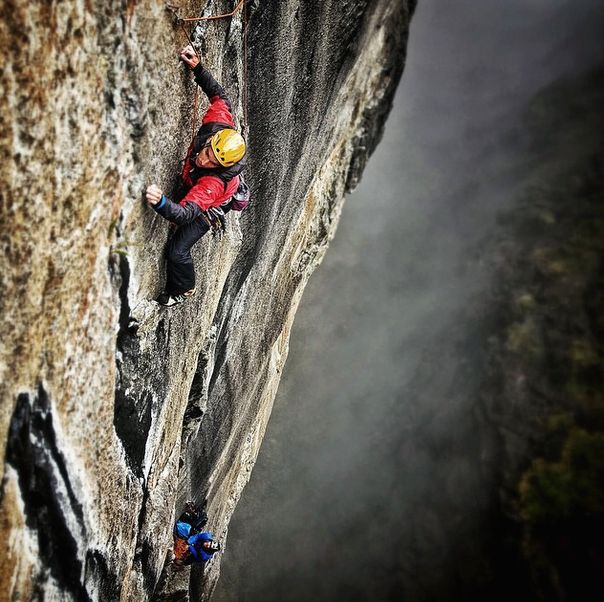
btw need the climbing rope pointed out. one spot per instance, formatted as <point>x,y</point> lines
<point>182,20</point>
<point>210,18</point>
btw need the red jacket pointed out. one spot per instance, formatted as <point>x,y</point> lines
<point>210,191</point>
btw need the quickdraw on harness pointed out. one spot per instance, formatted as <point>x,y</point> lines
<point>215,219</point>
<point>215,216</point>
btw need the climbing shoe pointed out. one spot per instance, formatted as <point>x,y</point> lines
<point>168,300</point>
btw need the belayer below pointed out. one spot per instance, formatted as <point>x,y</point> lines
<point>211,184</point>
<point>191,544</point>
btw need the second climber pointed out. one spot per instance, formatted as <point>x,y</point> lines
<point>210,179</point>
<point>191,543</point>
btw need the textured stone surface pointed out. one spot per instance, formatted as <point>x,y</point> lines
<point>114,411</point>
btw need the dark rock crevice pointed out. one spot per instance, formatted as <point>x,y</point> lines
<point>43,474</point>
<point>132,416</point>
<point>99,576</point>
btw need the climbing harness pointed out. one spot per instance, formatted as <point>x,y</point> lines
<point>215,219</point>
<point>181,21</point>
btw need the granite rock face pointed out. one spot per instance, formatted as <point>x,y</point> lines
<point>114,410</point>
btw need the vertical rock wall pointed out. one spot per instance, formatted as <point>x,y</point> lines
<point>113,410</point>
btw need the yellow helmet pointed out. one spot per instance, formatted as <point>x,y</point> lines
<point>228,146</point>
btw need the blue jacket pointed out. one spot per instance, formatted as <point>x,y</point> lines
<point>183,530</point>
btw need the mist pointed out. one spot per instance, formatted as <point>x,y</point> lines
<point>376,476</point>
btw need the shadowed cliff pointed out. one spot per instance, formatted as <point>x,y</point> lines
<point>358,449</point>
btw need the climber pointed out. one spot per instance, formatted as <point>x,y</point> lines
<point>191,544</point>
<point>211,185</point>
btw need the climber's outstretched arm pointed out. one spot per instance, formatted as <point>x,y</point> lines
<point>178,214</point>
<point>204,78</point>
<point>209,85</point>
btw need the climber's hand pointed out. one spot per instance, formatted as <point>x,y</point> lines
<point>153,194</point>
<point>189,56</point>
